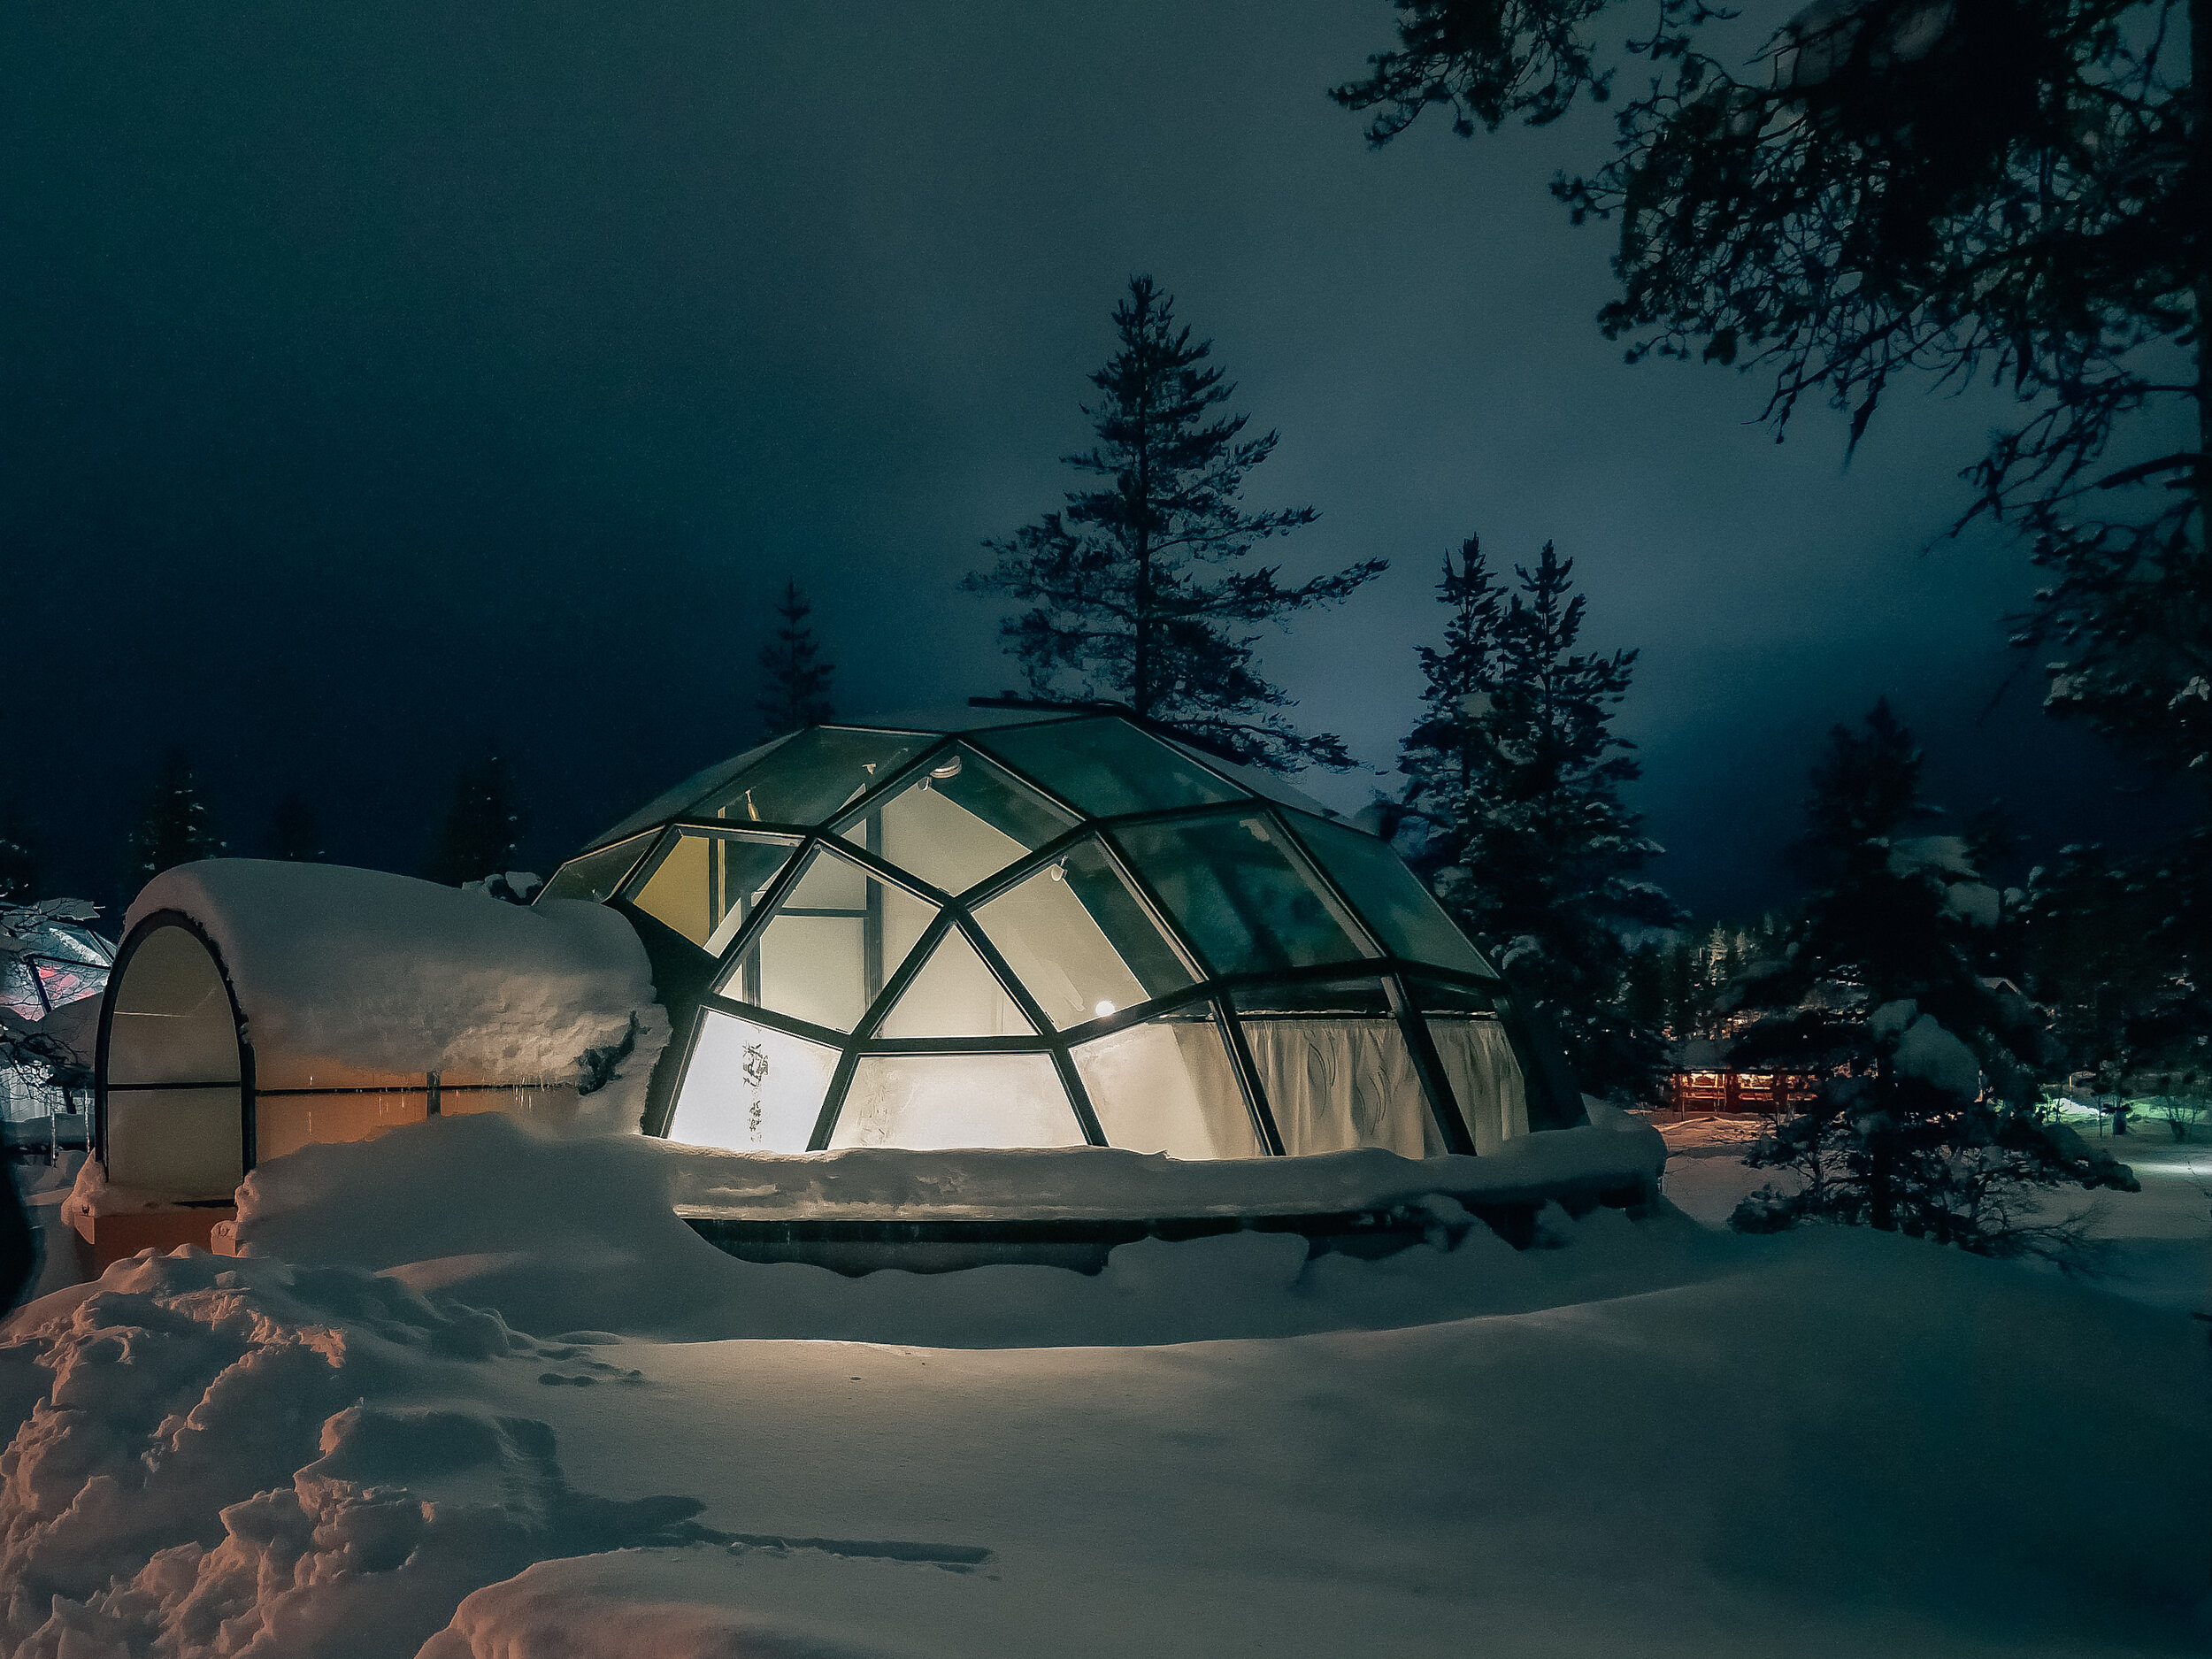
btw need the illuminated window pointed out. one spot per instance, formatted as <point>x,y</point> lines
<point>1032,927</point>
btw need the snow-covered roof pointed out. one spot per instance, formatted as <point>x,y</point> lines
<point>359,970</point>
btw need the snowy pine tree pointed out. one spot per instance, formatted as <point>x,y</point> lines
<point>174,827</point>
<point>1923,1121</point>
<point>1137,591</point>
<point>1515,811</point>
<point>484,823</point>
<point>794,691</point>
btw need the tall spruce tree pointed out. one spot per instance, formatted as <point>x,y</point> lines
<point>1923,1121</point>
<point>1514,808</point>
<point>174,827</point>
<point>1136,590</point>
<point>483,825</point>
<point>294,835</point>
<point>795,690</point>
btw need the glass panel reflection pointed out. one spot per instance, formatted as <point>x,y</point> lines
<point>826,953</point>
<point>1079,940</point>
<point>1108,767</point>
<point>596,875</point>
<point>955,994</point>
<point>750,1089</point>
<point>674,801</point>
<point>704,884</point>
<point>1390,896</point>
<point>934,1101</point>
<point>807,779</point>
<point>961,821</point>
<point>1244,903</point>
<point>1166,1086</point>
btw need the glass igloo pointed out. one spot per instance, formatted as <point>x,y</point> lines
<point>1039,926</point>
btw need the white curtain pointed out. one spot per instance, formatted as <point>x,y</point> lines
<point>1166,1086</point>
<point>1479,1062</point>
<point>1333,1083</point>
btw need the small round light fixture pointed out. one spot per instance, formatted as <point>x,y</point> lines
<point>1102,1009</point>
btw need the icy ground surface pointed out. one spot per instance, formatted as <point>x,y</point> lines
<point>564,1427</point>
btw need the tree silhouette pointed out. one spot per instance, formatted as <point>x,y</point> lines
<point>2012,191</point>
<point>175,826</point>
<point>1136,590</point>
<point>1923,1121</point>
<point>1515,811</point>
<point>483,825</point>
<point>795,688</point>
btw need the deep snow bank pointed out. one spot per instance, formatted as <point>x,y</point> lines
<point>1657,1442</point>
<point>1615,1149</point>
<point>210,1456</point>
<point>359,968</point>
<point>559,1234</point>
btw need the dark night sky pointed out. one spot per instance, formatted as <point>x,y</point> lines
<point>383,380</point>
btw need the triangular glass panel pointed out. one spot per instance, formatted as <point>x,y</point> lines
<point>1108,767</point>
<point>1390,896</point>
<point>933,1102</point>
<point>596,875</point>
<point>1079,940</point>
<point>673,803</point>
<point>750,1087</point>
<point>1247,904</point>
<point>807,779</point>
<point>704,883</point>
<point>962,820</point>
<point>1168,1085</point>
<point>825,952</point>
<point>955,994</point>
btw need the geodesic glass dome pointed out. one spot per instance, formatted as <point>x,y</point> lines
<point>1045,926</point>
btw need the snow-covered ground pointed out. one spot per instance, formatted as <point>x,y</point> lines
<point>559,1424</point>
<point>2153,1246</point>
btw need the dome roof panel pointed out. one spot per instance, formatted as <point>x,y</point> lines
<point>1388,896</point>
<point>837,935</point>
<point>1080,942</point>
<point>1106,767</point>
<point>811,776</point>
<point>674,802</point>
<point>704,883</point>
<point>595,876</point>
<point>958,822</point>
<point>1239,894</point>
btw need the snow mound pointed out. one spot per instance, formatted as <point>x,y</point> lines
<point>210,1455</point>
<point>386,974</point>
<point>1614,1150</point>
<point>565,1233</point>
<point>1647,1439</point>
<point>641,1604</point>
